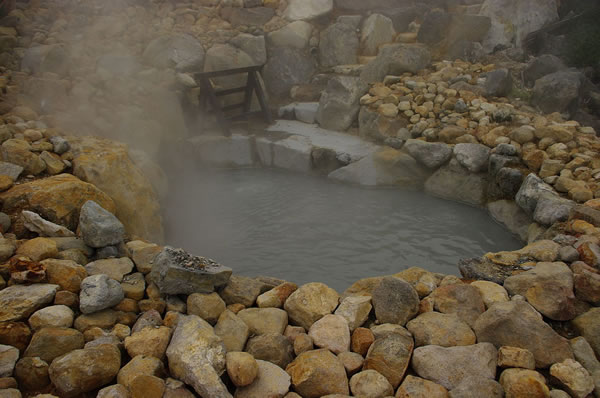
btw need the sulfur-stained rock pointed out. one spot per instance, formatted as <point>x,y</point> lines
<point>274,348</point>
<point>84,370</point>
<point>65,273</point>
<point>52,342</point>
<point>310,303</point>
<point>514,357</point>
<point>524,382</point>
<point>115,268</point>
<point>207,306</point>
<point>491,292</point>
<point>241,368</point>
<point>16,334</point>
<point>232,330</point>
<point>586,282</point>
<point>176,389</point>
<point>574,377</point>
<point>150,341</point>
<point>416,387</point>
<point>390,356</point>
<point>517,324</point>
<point>38,249</point>
<point>140,365</point>
<point>395,301</point>
<point>331,332</point>
<point>362,338</point>
<point>317,373</point>
<point>146,386</point>
<point>19,301</point>
<point>134,286</point>
<point>355,310</point>
<point>32,373</point>
<point>271,381</point>
<point>445,330</point>
<point>104,319</point>
<point>352,362</point>
<point>302,343</point>
<point>588,325</point>
<point>242,289</point>
<point>10,393</point>
<point>371,384</point>
<point>54,316</point>
<point>142,254</point>
<point>114,391</point>
<point>276,297</point>
<point>463,300</point>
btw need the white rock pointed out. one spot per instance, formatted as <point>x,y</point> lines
<point>54,316</point>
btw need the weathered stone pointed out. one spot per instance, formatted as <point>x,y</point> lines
<point>52,342</point>
<point>16,334</point>
<point>455,183</point>
<point>491,292</point>
<point>148,342</point>
<point>463,300</point>
<point>241,368</point>
<point>517,324</point>
<point>85,370</point>
<point>293,35</point>
<point>264,320</point>
<point>370,383</point>
<point>241,289</point>
<point>285,68</point>
<point>514,357</point>
<point>37,224</point>
<point>531,190</point>
<point>32,373</point>
<point>38,249</point>
<point>271,381</point>
<point>140,365</point>
<point>147,319</point>
<point>19,301</point>
<point>376,30</point>
<point>588,325</point>
<point>519,382</point>
<point>142,254</point>
<point>430,154</point>
<point>275,297</point>
<point>339,103</point>
<point>445,330</point>
<point>416,387</point>
<point>390,356</point>
<point>177,272</point>
<point>395,301</point>
<point>134,286</point>
<point>541,66</point>
<point>448,366</point>
<point>576,379</point>
<point>394,60</point>
<point>355,310</point>
<point>99,292</point>
<point>207,306</point>
<point>55,316</point>
<point>274,348</point>
<point>338,45</point>
<point>114,268</point>
<point>307,10</point>
<point>476,386</point>
<point>302,343</point>
<point>180,51</point>
<point>362,338</point>
<point>558,92</point>
<point>8,358</point>
<point>310,303</point>
<point>498,83</point>
<point>318,373</point>
<point>331,332</point>
<point>114,391</point>
<point>99,227</point>
<point>232,330</point>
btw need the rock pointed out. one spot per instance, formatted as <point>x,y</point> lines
<point>114,268</point>
<point>19,301</point>
<point>355,310</point>
<point>85,370</point>
<point>256,16</point>
<point>12,393</point>
<point>252,45</point>
<point>339,103</point>
<point>415,387</point>
<point>274,348</point>
<point>241,368</point>
<point>55,316</point>
<point>134,286</point>
<point>232,330</point>
<point>548,288</point>
<point>285,68</point>
<point>455,183</point>
<point>51,342</point>
<point>107,165</point>
<point>293,35</point>
<point>558,92</point>
<point>140,365</point>
<point>390,356</point>
<point>32,374</point>
<point>11,170</point>
<point>8,358</point>
<point>491,292</point>
<point>302,343</point>
<point>395,301</point>
<point>375,125</point>
<point>37,224</point>
<point>541,66</point>
<point>145,386</point>
<point>241,289</point>
<point>429,154</point>
<point>463,300</point>
<point>530,192</point>
<point>449,366</point>
<point>177,272</point>
<point>16,334</point>
<point>588,325</point>
<point>586,281</point>
<point>394,60</point>
<point>99,227</point>
<point>99,292</point>
<point>150,341</point>
<point>370,383</point>
<point>517,324</point>
<point>512,20</point>
<point>574,377</point>
<point>65,273</point>
<point>331,332</point>
<point>207,306</point>
<point>376,30</point>
<point>310,303</point>
<point>180,51</point>
<point>264,320</point>
<point>445,330</point>
<point>551,209</point>
<point>476,386</point>
<point>150,319</point>
<point>519,382</point>
<point>271,381</point>
<point>19,152</point>
<point>514,357</point>
<point>38,249</point>
<point>57,199</point>
<point>307,9</point>
<point>197,357</point>
<point>498,83</point>
<point>362,338</point>
<point>338,45</point>
<point>275,297</point>
<point>318,373</point>
<point>142,254</point>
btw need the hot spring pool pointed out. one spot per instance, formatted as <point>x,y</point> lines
<point>309,229</point>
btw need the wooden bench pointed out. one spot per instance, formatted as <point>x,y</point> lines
<point>209,96</point>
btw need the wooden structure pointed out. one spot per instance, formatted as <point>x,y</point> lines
<point>210,97</point>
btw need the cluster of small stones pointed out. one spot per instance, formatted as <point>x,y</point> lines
<point>448,104</point>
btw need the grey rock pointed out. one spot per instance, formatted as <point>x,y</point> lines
<point>287,67</point>
<point>498,83</point>
<point>9,356</point>
<point>394,60</point>
<point>509,214</point>
<point>509,181</point>
<point>474,157</point>
<point>61,145</point>
<point>449,366</point>
<point>293,35</point>
<point>435,27</point>
<point>339,103</point>
<point>252,45</point>
<point>455,183</point>
<point>359,5</point>
<point>441,27</point>
<point>460,106</point>
<point>35,223</point>
<point>274,348</point>
<point>338,45</point>
<point>529,194</point>
<point>376,30</point>
<point>307,10</point>
<point>541,66</point>
<point>177,272</point>
<point>272,381</point>
<point>180,51</point>
<point>430,154</point>
<point>98,226</point>
<point>242,290</point>
<point>558,92</point>
<point>99,292</point>
<point>551,209</point>
<point>498,162</point>
<point>5,221</point>
<point>395,301</point>
<point>10,169</point>
<point>476,386</point>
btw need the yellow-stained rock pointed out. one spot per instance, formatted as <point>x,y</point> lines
<point>38,249</point>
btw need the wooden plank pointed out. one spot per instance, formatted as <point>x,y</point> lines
<point>228,91</point>
<point>246,114</point>
<point>210,93</point>
<point>227,72</point>
<point>233,106</point>
<point>262,99</point>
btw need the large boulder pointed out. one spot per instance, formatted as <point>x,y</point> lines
<point>376,30</point>
<point>108,166</point>
<point>429,154</point>
<point>558,92</point>
<point>293,35</point>
<point>180,51</point>
<point>57,199</point>
<point>287,67</point>
<point>530,192</point>
<point>513,20</point>
<point>338,45</point>
<point>440,27</point>
<point>518,324</point>
<point>339,103</point>
<point>456,183</point>
<point>99,227</point>
<point>396,59</point>
<point>254,46</point>
<point>541,66</point>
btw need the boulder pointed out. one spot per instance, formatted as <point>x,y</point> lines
<point>252,45</point>
<point>518,382</point>
<point>509,214</point>
<point>232,330</point>
<point>395,301</point>
<point>177,272</point>
<point>310,303</point>
<point>338,45</point>
<point>517,324</point>
<point>339,103</point>
<point>264,320</point>
<point>558,92</point>
<point>449,366</point>
<point>242,290</point>
<point>529,194</point>
<point>574,377</point>
<point>395,60</point>
<point>255,16</point>
<point>413,387</point>
<point>443,29</point>
<point>81,371</point>
<point>307,9</point>
<point>374,125</point>
<point>446,330</point>
<point>45,228</point>
<point>318,373</point>
<point>275,348</point>
<point>52,342</point>
<point>19,301</point>
<point>455,183</point>
<point>498,83</point>
<point>99,227</point>
<point>588,325</point>
<point>285,68</point>
<point>331,332</point>
<point>548,287</point>
<point>57,199</point>
<point>376,30</point>
<point>65,273</point>
<point>355,310</point>
<point>474,157</point>
<point>99,292</point>
<point>271,381</point>
<point>294,35</point>
<point>541,66</point>
<point>390,356</point>
<point>197,357</point>
<point>180,51</point>
<point>429,154</point>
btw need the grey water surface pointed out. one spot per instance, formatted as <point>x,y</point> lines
<point>309,229</point>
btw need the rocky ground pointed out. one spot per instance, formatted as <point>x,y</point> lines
<point>92,304</point>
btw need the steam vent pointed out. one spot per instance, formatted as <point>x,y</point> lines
<point>156,154</point>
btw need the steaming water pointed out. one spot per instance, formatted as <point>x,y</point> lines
<point>309,229</point>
